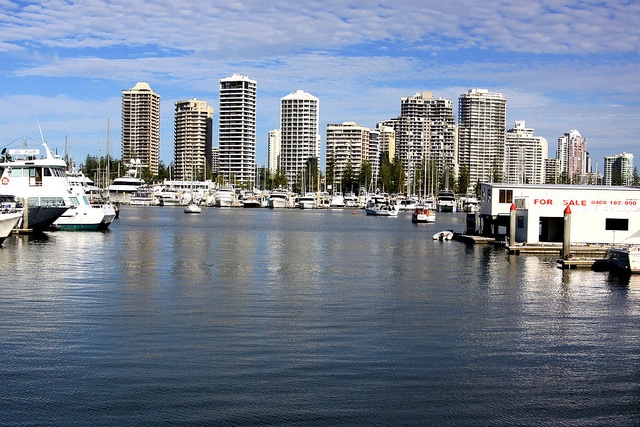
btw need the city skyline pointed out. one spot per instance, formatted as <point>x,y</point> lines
<point>560,67</point>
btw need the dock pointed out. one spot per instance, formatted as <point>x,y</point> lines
<point>592,256</point>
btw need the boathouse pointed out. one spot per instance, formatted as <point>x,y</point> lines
<point>599,214</point>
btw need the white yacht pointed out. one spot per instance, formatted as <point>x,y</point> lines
<point>9,218</point>
<point>42,180</point>
<point>308,201</point>
<point>226,197</point>
<point>446,201</point>
<point>351,201</point>
<point>122,188</point>
<point>337,201</point>
<point>381,207</point>
<point>278,200</point>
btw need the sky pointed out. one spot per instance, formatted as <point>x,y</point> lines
<point>561,65</point>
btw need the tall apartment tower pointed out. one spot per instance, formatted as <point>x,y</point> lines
<point>274,150</point>
<point>482,125</point>
<point>141,127</point>
<point>193,137</point>
<point>237,129</point>
<point>618,169</point>
<point>347,144</point>
<point>300,140</point>
<point>572,157</point>
<point>426,134</point>
<point>525,156</point>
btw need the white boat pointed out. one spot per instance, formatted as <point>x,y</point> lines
<point>8,221</point>
<point>192,208</point>
<point>422,214</point>
<point>39,217</point>
<point>42,180</point>
<point>351,201</point>
<point>471,204</point>
<point>226,197</point>
<point>122,188</point>
<point>443,235</point>
<point>308,201</point>
<point>375,208</point>
<point>278,200</point>
<point>167,196</point>
<point>250,200</point>
<point>446,201</point>
<point>337,201</point>
<point>408,204</point>
<point>625,258</point>
<point>144,197</point>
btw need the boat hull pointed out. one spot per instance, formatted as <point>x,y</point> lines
<point>625,259</point>
<point>7,223</point>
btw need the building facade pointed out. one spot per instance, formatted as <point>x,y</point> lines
<point>481,134</point>
<point>237,129</point>
<point>299,137</point>
<point>572,157</point>
<point>193,139</point>
<point>618,169</point>
<point>347,144</point>
<point>140,142</point>
<point>525,156</point>
<point>274,150</point>
<point>426,137</point>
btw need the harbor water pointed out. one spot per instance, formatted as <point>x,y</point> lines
<point>247,317</point>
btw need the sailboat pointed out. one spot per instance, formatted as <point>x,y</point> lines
<point>192,207</point>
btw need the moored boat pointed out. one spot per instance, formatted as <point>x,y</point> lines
<point>624,258</point>
<point>443,235</point>
<point>375,208</point>
<point>192,208</point>
<point>42,181</point>
<point>446,201</point>
<point>8,221</point>
<point>422,215</point>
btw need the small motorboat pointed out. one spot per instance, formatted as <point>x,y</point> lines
<point>443,235</point>
<point>422,214</point>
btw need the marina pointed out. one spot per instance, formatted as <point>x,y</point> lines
<point>308,317</point>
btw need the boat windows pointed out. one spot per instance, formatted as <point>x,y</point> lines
<point>15,173</point>
<point>74,201</point>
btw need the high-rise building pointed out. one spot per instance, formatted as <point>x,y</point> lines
<point>618,169</point>
<point>572,157</point>
<point>482,127</point>
<point>237,129</point>
<point>193,136</point>
<point>387,145</point>
<point>347,144</point>
<point>274,151</point>
<point>525,156</point>
<point>425,137</point>
<point>141,127</point>
<point>300,140</point>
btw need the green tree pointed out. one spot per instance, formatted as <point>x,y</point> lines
<point>366,174</point>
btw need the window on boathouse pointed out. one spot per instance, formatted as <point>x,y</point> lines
<point>617,224</point>
<point>506,196</point>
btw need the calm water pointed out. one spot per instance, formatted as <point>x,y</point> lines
<point>289,317</point>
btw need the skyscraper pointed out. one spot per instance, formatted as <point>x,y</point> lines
<point>193,136</point>
<point>347,144</point>
<point>274,151</point>
<point>300,140</point>
<point>482,125</point>
<point>141,127</point>
<point>525,156</point>
<point>618,169</point>
<point>572,157</point>
<point>237,129</point>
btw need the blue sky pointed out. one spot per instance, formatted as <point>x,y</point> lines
<point>561,65</point>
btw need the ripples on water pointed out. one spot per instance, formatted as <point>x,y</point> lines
<point>269,317</point>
